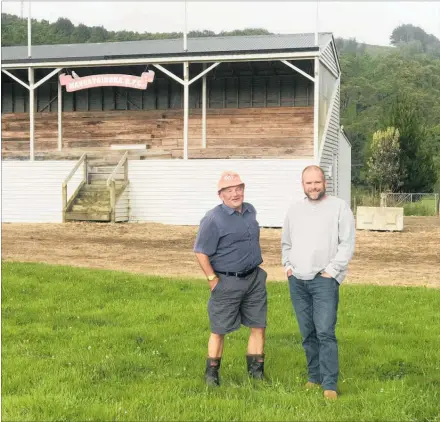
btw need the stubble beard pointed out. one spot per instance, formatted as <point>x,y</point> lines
<point>320,196</point>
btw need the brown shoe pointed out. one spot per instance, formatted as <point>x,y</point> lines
<point>330,394</point>
<point>311,385</point>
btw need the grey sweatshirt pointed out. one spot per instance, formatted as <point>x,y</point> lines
<point>318,236</point>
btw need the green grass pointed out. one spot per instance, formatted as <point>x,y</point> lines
<point>425,207</point>
<point>81,344</point>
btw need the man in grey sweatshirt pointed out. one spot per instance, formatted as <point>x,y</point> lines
<point>317,244</point>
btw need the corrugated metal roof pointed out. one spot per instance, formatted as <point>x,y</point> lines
<point>168,47</point>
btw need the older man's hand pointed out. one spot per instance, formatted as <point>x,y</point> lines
<point>213,283</point>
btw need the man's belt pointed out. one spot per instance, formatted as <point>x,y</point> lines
<point>241,275</point>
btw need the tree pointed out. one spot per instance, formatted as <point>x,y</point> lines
<point>416,163</point>
<point>246,31</point>
<point>81,33</point>
<point>384,162</point>
<point>409,33</point>
<point>433,147</point>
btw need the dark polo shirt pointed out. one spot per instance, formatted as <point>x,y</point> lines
<point>230,239</point>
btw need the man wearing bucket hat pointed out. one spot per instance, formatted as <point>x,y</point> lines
<point>228,250</point>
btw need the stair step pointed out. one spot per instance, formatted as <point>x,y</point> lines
<point>102,176</point>
<point>91,196</point>
<point>105,169</point>
<point>102,183</point>
<point>81,204</point>
<point>95,191</point>
<point>82,216</point>
<point>91,208</point>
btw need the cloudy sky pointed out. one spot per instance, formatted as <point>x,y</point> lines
<point>370,22</point>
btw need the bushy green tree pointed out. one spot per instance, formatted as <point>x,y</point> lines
<point>384,170</point>
<point>416,162</point>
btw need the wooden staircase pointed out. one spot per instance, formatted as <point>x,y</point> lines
<point>97,195</point>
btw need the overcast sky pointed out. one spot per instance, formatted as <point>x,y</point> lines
<point>369,22</point>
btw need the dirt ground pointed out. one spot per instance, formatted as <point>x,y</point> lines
<point>410,258</point>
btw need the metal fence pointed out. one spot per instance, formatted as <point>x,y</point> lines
<point>412,203</point>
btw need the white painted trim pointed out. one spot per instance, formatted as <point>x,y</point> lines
<point>335,54</point>
<point>344,135</point>
<point>204,110</point>
<point>41,81</point>
<point>185,109</point>
<point>203,73</point>
<point>182,81</point>
<point>298,70</point>
<point>16,79</point>
<point>170,74</point>
<point>316,113</point>
<point>329,117</point>
<point>165,60</point>
<point>60,116</point>
<point>31,114</point>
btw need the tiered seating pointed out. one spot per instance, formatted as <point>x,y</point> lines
<point>244,133</point>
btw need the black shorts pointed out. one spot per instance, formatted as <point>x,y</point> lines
<point>235,301</point>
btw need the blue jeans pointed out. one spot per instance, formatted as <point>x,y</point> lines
<point>316,306</point>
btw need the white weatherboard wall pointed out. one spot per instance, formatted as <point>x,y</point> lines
<point>344,169</point>
<point>329,145</point>
<point>330,149</point>
<point>329,59</point>
<point>122,206</point>
<point>31,190</point>
<point>181,192</point>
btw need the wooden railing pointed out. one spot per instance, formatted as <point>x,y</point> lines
<point>66,201</point>
<point>111,183</point>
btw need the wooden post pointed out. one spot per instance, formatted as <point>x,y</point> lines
<point>60,114</point>
<point>31,114</point>
<point>204,109</point>
<point>185,109</point>
<point>126,170</point>
<point>316,140</point>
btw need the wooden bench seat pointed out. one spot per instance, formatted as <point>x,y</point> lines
<point>288,129</point>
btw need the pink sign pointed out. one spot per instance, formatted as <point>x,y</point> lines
<point>94,81</point>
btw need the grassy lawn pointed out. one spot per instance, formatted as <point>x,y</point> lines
<point>426,206</point>
<point>82,344</point>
